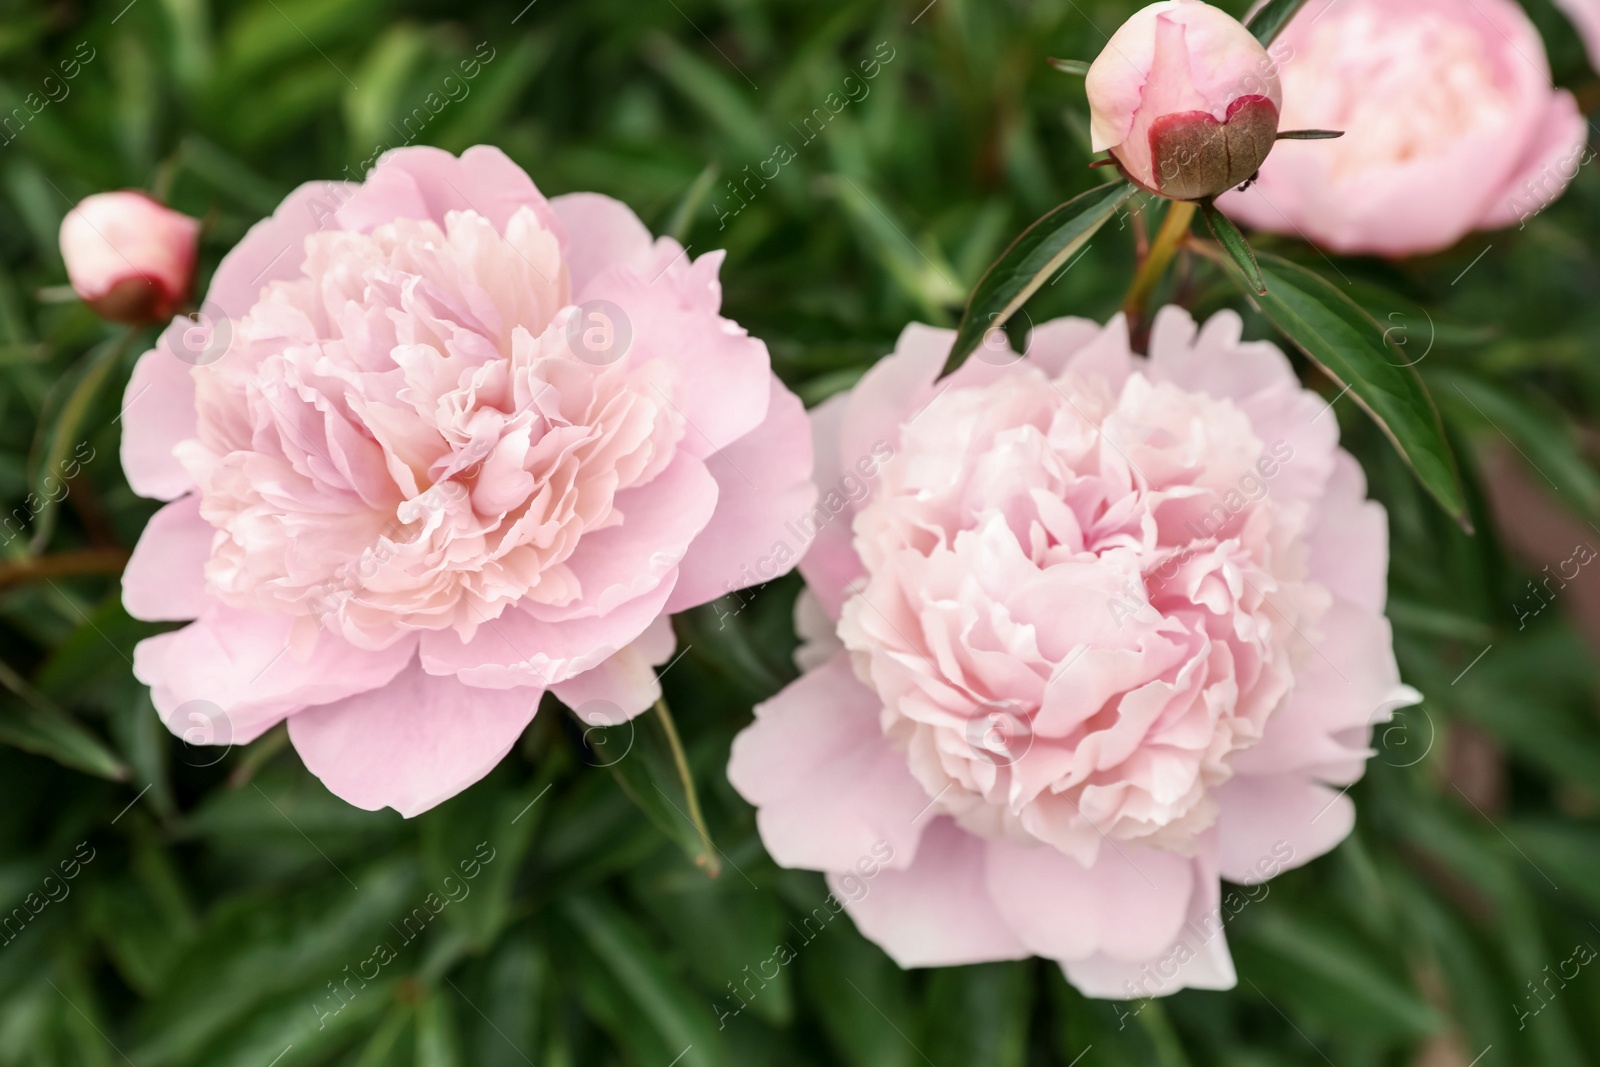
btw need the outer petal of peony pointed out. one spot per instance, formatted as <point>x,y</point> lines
<point>413,743</point>
<point>408,499</point>
<point>828,786</point>
<point>1120,620</point>
<point>937,912</point>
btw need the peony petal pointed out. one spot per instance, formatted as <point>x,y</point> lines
<point>1196,958</point>
<point>157,413</point>
<point>624,685</point>
<point>418,741</point>
<point>724,373</point>
<point>1348,684</point>
<point>830,564</point>
<point>421,182</point>
<point>1350,539</point>
<point>165,579</point>
<point>1270,824</point>
<point>764,489</point>
<point>1129,905</point>
<point>828,785</point>
<point>241,665</point>
<point>521,649</point>
<point>937,912</point>
<point>602,233</point>
<point>660,521</point>
<point>1555,151</point>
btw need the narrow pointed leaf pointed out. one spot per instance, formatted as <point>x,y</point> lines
<point>1267,23</point>
<point>1030,261</point>
<point>1352,348</point>
<point>647,758</point>
<point>1070,66</point>
<point>1233,242</point>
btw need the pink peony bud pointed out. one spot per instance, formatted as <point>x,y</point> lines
<point>128,257</point>
<point>1185,99</point>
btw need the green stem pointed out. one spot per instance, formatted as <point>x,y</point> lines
<point>1173,229</point>
<point>708,852</point>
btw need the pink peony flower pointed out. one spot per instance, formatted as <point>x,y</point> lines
<point>1107,630</point>
<point>128,257</point>
<point>1185,99</point>
<point>1450,125</point>
<point>1585,15</point>
<point>442,445</point>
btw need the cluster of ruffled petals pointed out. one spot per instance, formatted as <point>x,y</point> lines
<point>1106,630</point>
<point>408,496</point>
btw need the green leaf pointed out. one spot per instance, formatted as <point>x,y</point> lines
<point>33,722</point>
<point>1267,23</point>
<point>864,999</point>
<point>647,758</point>
<point>472,848</point>
<point>1541,433</point>
<point>1353,349</point>
<point>979,1014</point>
<point>1070,66</point>
<point>1233,242</point>
<point>1024,267</point>
<point>1328,975</point>
<point>682,1020</point>
<point>726,930</point>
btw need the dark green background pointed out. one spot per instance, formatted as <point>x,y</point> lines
<point>218,907</point>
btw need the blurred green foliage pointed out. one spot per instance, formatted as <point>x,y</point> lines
<point>227,899</point>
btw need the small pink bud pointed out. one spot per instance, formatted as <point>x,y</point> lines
<point>128,257</point>
<point>1185,99</point>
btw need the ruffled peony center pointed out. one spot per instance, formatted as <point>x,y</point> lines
<point>1078,603</point>
<point>403,437</point>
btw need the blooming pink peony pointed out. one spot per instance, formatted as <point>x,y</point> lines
<point>1185,99</point>
<point>1450,125</point>
<point>1108,629</point>
<point>128,257</point>
<point>442,446</point>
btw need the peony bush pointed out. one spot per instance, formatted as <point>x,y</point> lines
<point>552,608</point>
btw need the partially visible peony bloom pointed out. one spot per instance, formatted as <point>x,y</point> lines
<point>128,257</point>
<point>1450,125</point>
<point>1185,99</point>
<point>1585,15</point>
<point>1108,630</point>
<point>444,445</point>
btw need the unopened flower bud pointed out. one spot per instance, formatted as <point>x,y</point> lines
<point>128,257</point>
<point>1185,99</point>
